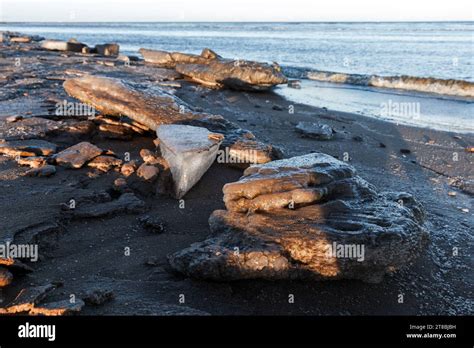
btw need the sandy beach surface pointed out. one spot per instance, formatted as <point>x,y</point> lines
<point>88,254</point>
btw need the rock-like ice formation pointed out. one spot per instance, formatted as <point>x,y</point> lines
<point>212,70</point>
<point>116,97</point>
<point>306,217</point>
<point>315,130</point>
<point>56,45</point>
<point>77,155</point>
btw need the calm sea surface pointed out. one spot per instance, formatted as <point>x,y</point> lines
<point>440,50</point>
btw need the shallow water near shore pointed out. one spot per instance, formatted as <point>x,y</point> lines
<point>409,108</point>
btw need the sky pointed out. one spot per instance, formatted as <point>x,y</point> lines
<point>234,10</point>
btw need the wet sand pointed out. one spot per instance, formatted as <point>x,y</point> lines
<point>89,254</point>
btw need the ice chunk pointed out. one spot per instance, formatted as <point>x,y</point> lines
<point>190,151</point>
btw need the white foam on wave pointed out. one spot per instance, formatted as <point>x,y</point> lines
<point>451,87</point>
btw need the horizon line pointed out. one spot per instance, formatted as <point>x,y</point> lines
<point>243,21</point>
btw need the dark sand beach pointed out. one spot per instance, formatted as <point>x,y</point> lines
<point>87,254</point>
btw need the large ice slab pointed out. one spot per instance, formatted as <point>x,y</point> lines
<point>116,97</point>
<point>190,151</point>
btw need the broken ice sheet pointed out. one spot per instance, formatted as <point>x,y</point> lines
<point>190,151</point>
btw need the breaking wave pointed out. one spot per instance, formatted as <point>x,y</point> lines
<point>458,88</point>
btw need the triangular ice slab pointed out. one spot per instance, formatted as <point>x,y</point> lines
<point>190,151</point>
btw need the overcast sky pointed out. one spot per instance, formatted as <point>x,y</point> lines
<point>240,10</point>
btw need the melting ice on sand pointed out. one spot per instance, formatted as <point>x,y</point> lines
<point>190,151</point>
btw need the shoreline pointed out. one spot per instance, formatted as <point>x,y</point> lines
<point>411,108</point>
<point>88,254</point>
